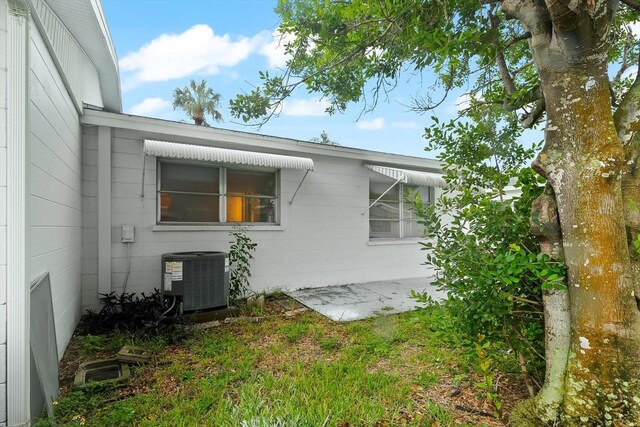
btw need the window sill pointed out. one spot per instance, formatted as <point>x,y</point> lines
<point>388,242</point>
<point>195,227</point>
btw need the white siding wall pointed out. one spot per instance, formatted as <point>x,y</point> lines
<point>3,206</point>
<point>325,240</point>
<point>55,189</point>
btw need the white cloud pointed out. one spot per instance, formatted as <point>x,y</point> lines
<point>630,72</point>
<point>149,105</point>
<point>275,49</point>
<point>374,124</point>
<point>304,107</point>
<point>405,125</point>
<point>197,50</point>
<point>461,103</point>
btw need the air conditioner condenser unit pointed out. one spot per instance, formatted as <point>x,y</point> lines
<point>200,279</point>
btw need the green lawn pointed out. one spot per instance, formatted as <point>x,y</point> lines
<point>408,369</point>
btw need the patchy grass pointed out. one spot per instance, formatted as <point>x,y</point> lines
<point>408,369</point>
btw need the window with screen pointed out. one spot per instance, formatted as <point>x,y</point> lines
<point>208,194</point>
<point>392,216</point>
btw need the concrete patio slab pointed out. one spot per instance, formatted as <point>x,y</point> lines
<point>361,300</point>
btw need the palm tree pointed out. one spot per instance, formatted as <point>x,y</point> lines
<point>198,100</point>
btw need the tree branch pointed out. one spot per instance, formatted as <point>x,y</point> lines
<point>632,4</point>
<point>518,39</point>
<point>531,118</point>
<point>507,80</point>
<point>534,18</point>
<point>627,117</point>
<point>626,63</point>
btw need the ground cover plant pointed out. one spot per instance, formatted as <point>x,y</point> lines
<point>302,370</point>
<point>144,315</point>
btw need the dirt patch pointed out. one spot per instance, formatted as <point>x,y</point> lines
<point>467,404</point>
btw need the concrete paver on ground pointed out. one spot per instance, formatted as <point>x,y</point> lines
<point>361,300</point>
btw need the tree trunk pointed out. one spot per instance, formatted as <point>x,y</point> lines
<point>545,407</point>
<point>583,161</point>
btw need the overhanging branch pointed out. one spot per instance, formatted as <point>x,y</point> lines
<point>632,4</point>
<point>627,117</point>
<point>531,118</point>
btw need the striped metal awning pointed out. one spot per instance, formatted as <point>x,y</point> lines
<point>407,176</point>
<point>174,150</point>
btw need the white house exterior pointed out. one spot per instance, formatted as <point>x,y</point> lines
<point>319,233</point>
<point>55,56</point>
<point>74,170</point>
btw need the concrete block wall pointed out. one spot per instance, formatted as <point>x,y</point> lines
<point>323,237</point>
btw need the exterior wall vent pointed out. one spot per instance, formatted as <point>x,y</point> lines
<point>199,279</point>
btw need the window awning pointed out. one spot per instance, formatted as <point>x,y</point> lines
<point>175,150</point>
<point>409,176</point>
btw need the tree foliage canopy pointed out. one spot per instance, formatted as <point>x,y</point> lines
<point>358,51</point>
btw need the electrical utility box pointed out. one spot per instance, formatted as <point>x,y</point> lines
<point>200,279</point>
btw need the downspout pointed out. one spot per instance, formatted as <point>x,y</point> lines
<point>18,302</point>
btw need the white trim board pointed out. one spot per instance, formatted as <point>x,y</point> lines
<point>18,357</point>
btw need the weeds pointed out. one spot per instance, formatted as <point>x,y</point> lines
<point>298,371</point>
<point>240,256</point>
<point>487,370</point>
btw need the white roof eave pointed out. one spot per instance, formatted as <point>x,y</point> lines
<point>87,23</point>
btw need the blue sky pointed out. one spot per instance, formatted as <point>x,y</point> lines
<point>162,44</point>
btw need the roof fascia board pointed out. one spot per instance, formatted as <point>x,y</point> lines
<point>101,53</point>
<point>101,20</point>
<point>107,92</point>
<point>247,140</point>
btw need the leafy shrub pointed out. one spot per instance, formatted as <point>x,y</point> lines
<point>480,242</point>
<point>240,262</point>
<point>144,314</point>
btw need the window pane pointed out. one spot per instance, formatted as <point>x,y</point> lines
<point>385,210</point>
<point>251,183</point>
<point>408,212</point>
<point>197,179</point>
<point>189,208</point>
<point>251,209</point>
<point>384,229</point>
<point>412,229</point>
<point>377,188</point>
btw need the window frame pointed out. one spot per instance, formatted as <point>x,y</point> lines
<point>402,205</point>
<point>222,194</point>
